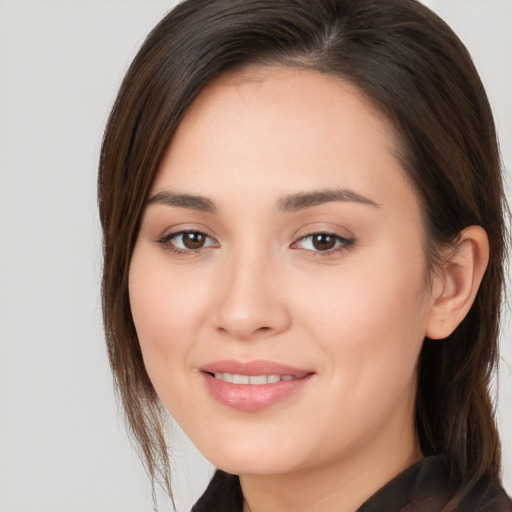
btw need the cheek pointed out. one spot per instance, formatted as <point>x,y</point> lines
<point>165,308</point>
<point>371,318</point>
<point>370,324</point>
<point>162,318</point>
<point>367,295</point>
<point>163,302</point>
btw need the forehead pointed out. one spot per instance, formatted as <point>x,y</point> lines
<point>302,103</point>
<point>282,130</point>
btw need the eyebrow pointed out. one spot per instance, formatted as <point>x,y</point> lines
<point>304,200</point>
<point>192,202</point>
<point>289,203</point>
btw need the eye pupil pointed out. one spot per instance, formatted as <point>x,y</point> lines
<point>193,240</point>
<point>323,242</point>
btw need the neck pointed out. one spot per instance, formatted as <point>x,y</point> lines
<point>341,486</point>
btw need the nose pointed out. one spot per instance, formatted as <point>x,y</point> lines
<point>252,301</point>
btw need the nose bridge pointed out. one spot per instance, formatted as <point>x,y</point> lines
<point>251,302</point>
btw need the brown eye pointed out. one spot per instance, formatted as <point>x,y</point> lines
<point>328,243</point>
<point>323,241</point>
<point>188,241</point>
<point>193,240</point>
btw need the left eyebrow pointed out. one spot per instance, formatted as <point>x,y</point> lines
<point>303,200</point>
<point>189,201</point>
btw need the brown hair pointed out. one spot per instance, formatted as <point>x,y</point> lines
<point>416,71</point>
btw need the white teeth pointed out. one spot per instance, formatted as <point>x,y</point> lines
<point>240,379</point>
<point>255,380</point>
<point>228,377</point>
<point>258,379</point>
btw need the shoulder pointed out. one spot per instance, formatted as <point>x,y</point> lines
<point>486,498</point>
<point>427,487</point>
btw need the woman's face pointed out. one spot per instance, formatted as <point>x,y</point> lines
<point>278,283</point>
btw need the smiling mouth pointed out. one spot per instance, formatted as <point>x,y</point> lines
<point>267,384</point>
<point>254,380</point>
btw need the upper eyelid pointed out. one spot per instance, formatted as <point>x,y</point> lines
<point>324,226</point>
<point>340,238</point>
<point>178,230</point>
<point>183,231</point>
<point>174,234</point>
<point>322,232</point>
<point>331,231</point>
<point>301,237</point>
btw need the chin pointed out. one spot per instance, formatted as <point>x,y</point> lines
<point>256,466</point>
<point>250,459</point>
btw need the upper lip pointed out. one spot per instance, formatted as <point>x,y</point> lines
<point>253,368</point>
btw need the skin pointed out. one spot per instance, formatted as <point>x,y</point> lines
<point>356,314</point>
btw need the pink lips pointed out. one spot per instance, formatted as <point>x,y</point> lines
<point>253,397</point>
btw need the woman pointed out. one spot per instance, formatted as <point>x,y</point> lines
<point>303,236</point>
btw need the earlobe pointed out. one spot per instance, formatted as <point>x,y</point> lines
<point>457,282</point>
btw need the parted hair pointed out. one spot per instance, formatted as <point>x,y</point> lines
<point>412,67</point>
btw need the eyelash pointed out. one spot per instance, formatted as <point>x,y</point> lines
<point>342,243</point>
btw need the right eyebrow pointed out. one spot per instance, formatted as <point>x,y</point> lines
<point>192,202</point>
<point>309,199</point>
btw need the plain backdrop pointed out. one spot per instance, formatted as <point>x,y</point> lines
<point>63,446</point>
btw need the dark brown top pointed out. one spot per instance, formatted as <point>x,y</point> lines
<point>424,487</point>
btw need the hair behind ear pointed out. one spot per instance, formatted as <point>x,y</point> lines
<point>457,360</point>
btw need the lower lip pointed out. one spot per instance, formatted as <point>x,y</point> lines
<point>247,397</point>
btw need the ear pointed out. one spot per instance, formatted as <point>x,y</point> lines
<point>457,282</point>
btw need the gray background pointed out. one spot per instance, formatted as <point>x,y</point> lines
<point>62,442</point>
